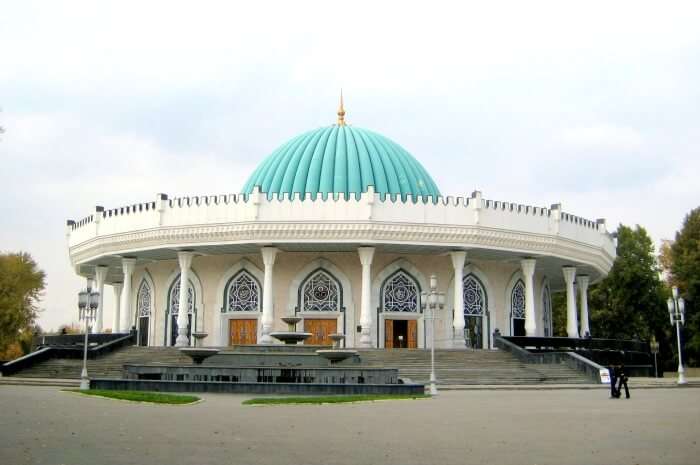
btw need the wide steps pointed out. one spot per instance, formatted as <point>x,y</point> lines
<point>452,367</point>
<point>107,366</point>
<point>465,367</point>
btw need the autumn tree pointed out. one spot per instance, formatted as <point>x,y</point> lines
<point>21,285</point>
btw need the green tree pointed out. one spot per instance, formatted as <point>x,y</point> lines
<point>629,302</point>
<point>685,271</point>
<point>21,285</point>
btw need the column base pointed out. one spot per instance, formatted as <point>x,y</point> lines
<point>365,339</point>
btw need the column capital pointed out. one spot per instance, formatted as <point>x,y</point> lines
<point>569,274</point>
<point>528,266</point>
<point>184,259</point>
<point>582,282</point>
<point>128,264</point>
<point>269,254</point>
<point>458,258</point>
<point>101,274</point>
<point>366,255</point>
<point>117,287</point>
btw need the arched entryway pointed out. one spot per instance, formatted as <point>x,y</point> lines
<point>475,311</point>
<point>400,306</point>
<point>143,312</point>
<point>242,300</point>
<point>320,302</point>
<point>517,309</point>
<point>174,309</point>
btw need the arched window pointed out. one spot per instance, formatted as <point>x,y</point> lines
<point>547,311</point>
<point>474,297</point>
<point>320,293</point>
<point>517,309</point>
<point>400,293</point>
<point>174,308</point>
<point>143,300</point>
<point>242,294</point>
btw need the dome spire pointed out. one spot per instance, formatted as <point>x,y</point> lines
<point>341,111</point>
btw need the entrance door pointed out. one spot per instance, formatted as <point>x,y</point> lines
<point>143,331</point>
<point>320,330</point>
<point>243,332</point>
<point>472,331</point>
<point>518,326</point>
<point>400,334</point>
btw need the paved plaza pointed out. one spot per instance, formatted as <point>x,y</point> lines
<point>42,425</point>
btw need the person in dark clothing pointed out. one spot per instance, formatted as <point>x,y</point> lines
<point>614,394</point>
<point>622,380</point>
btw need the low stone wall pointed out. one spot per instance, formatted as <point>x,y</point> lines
<point>255,388</point>
<point>237,374</point>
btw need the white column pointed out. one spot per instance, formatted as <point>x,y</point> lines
<point>458,257</point>
<point>269,255</point>
<point>582,282</point>
<point>528,267</point>
<point>366,257</point>
<point>128,269</point>
<point>571,320</point>
<point>185,261</point>
<point>117,287</point>
<point>100,276</point>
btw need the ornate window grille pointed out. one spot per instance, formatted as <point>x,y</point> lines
<point>143,300</point>
<point>320,293</point>
<point>474,297</point>
<point>400,294</point>
<point>517,301</point>
<point>175,298</point>
<point>547,311</point>
<point>243,294</point>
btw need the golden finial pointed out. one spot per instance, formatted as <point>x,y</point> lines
<point>341,111</point>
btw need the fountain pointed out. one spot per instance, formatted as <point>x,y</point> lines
<point>292,336</point>
<point>336,354</point>
<point>198,354</point>
<point>198,336</point>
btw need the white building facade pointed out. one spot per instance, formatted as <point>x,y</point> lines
<point>349,256</point>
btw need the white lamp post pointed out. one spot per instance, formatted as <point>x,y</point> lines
<point>432,300</point>
<point>676,312</point>
<point>88,302</point>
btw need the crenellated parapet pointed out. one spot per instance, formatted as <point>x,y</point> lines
<point>258,217</point>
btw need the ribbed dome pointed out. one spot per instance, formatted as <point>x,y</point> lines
<point>341,160</point>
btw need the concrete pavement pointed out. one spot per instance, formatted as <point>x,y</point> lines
<point>42,425</point>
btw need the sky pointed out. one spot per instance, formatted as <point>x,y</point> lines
<point>595,105</point>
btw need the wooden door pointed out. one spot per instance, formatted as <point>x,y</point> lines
<point>321,330</point>
<point>412,334</point>
<point>388,334</point>
<point>243,331</point>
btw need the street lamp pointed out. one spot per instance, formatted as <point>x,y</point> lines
<point>88,301</point>
<point>432,300</point>
<point>676,312</point>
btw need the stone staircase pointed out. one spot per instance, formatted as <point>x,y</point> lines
<point>107,366</point>
<point>467,367</point>
<point>453,367</point>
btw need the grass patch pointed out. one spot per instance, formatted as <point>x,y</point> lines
<point>140,396</point>
<point>330,399</point>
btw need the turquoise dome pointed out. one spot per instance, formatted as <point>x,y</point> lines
<point>341,159</point>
